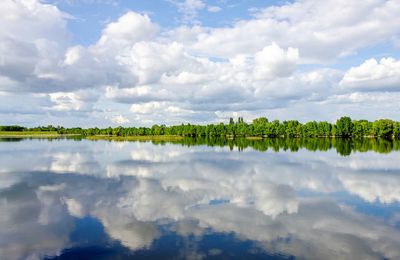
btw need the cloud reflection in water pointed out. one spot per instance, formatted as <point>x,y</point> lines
<point>285,203</point>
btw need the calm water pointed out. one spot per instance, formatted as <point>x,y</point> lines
<point>72,199</point>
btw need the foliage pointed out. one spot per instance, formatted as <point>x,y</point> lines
<point>260,127</point>
<point>344,127</point>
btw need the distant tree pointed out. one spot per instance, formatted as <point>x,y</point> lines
<point>274,128</point>
<point>291,128</point>
<point>323,129</point>
<point>383,127</point>
<point>12,128</point>
<point>260,126</point>
<point>310,129</point>
<point>396,129</point>
<point>344,126</point>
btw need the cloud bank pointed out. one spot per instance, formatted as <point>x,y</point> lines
<point>282,62</point>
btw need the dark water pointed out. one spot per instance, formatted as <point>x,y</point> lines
<point>200,199</point>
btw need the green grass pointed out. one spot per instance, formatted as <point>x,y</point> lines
<point>136,138</point>
<point>28,133</point>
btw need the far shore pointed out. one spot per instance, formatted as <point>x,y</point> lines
<point>55,134</point>
<point>21,134</point>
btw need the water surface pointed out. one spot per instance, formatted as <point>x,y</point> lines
<point>198,199</point>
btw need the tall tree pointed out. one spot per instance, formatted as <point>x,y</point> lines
<point>344,126</point>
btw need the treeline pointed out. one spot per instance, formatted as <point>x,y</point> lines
<point>17,128</point>
<point>260,127</point>
<point>344,127</point>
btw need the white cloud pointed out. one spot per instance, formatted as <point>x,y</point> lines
<point>370,98</point>
<point>250,66</point>
<point>30,40</point>
<point>149,61</point>
<point>159,108</point>
<point>184,78</point>
<point>136,94</point>
<point>120,119</point>
<point>73,101</point>
<point>90,2</point>
<point>321,30</point>
<point>129,29</point>
<point>178,75</point>
<point>73,55</point>
<point>373,75</point>
<point>189,9</point>
<point>147,108</point>
<point>214,8</point>
<point>272,62</point>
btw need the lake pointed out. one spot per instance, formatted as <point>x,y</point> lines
<point>200,199</point>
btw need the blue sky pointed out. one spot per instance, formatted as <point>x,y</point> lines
<point>90,16</point>
<point>109,62</point>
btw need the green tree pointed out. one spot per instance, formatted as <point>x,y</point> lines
<point>396,129</point>
<point>383,127</point>
<point>344,127</point>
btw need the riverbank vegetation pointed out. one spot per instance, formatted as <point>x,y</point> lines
<point>260,127</point>
<point>28,133</point>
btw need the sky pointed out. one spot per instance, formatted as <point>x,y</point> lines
<point>136,63</point>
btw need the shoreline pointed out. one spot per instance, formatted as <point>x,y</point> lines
<point>32,134</point>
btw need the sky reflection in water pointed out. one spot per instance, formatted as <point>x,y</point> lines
<point>134,199</point>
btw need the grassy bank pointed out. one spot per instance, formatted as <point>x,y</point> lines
<point>136,138</point>
<point>29,134</point>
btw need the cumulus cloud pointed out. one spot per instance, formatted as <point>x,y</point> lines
<point>157,107</point>
<point>73,101</point>
<point>32,37</point>
<point>373,75</point>
<point>273,62</point>
<point>320,30</point>
<point>120,119</point>
<point>44,64</point>
<point>129,29</point>
<point>166,72</point>
<point>147,108</point>
<point>154,112</point>
<point>138,94</point>
<point>149,61</point>
<point>250,66</point>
